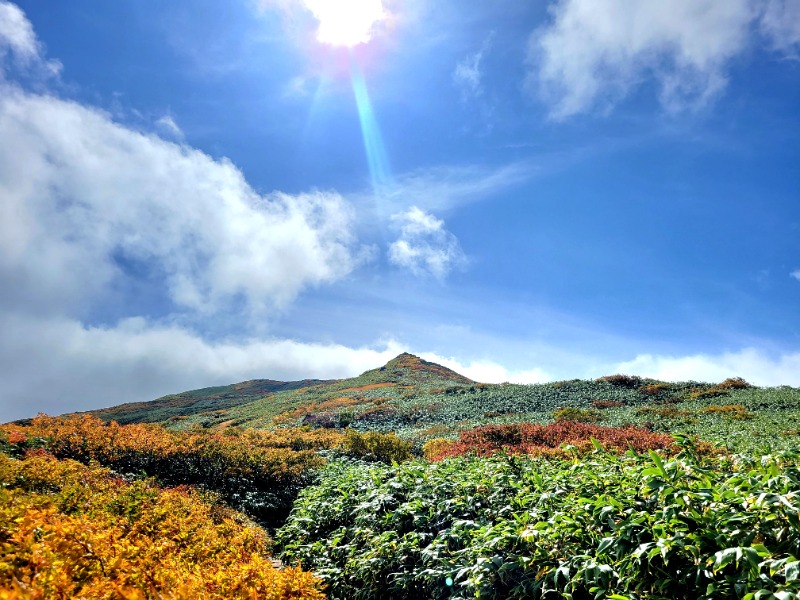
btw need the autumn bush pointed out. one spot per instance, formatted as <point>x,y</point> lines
<point>72,531</point>
<point>730,411</point>
<point>624,381</point>
<point>602,404</point>
<point>582,415</point>
<point>258,472</point>
<point>383,447</point>
<point>529,438</point>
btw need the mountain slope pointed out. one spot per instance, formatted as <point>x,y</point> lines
<point>193,402</point>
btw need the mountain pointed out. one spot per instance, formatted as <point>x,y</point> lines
<point>185,404</point>
<point>409,369</point>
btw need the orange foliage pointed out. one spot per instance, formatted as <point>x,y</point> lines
<point>535,439</point>
<point>226,462</point>
<point>71,531</point>
<point>371,386</point>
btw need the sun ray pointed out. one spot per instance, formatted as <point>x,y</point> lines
<point>377,159</point>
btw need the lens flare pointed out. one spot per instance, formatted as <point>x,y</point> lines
<point>371,133</point>
<point>346,22</point>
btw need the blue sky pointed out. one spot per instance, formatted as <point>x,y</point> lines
<point>198,194</point>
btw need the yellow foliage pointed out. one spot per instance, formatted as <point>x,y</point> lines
<point>71,531</point>
<point>436,447</point>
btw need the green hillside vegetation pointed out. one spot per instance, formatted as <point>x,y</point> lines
<point>178,406</point>
<point>419,400</point>
<point>412,481</point>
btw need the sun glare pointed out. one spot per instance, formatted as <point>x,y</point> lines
<point>346,22</point>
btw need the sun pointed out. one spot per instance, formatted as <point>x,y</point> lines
<point>346,22</point>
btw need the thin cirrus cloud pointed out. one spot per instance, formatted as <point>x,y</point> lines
<point>595,52</point>
<point>424,246</point>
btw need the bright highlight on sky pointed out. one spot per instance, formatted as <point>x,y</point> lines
<point>346,22</point>
<point>199,194</point>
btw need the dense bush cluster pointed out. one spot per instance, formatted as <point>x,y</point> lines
<point>256,471</point>
<point>538,440</point>
<point>617,527</point>
<point>72,531</point>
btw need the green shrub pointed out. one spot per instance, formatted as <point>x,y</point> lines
<point>581,415</point>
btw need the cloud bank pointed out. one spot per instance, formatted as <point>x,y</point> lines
<point>754,365</point>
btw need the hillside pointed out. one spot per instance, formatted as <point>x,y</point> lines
<point>184,404</point>
<point>419,400</point>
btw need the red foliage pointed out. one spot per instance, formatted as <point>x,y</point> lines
<point>529,438</point>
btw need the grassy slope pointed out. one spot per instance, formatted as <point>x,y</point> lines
<point>198,402</point>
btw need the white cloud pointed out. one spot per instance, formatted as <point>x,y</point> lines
<point>16,32</point>
<point>79,191</point>
<point>754,365</point>
<point>58,365</point>
<point>487,371</point>
<point>781,24</point>
<point>596,51</point>
<point>424,247</point>
<point>18,39</point>
<point>795,274</point>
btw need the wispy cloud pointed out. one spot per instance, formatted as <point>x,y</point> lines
<point>781,24</point>
<point>445,187</point>
<point>167,125</point>
<point>595,52</point>
<point>468,74</point>
<point>425,247</point>
<point>795,274</point>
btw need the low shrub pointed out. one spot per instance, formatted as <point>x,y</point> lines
<point>530,438</point>
<point>601,404</point>
<point>581,415</point>
<point>383,447</point>
<point>730,411</point>
<point>623,381</point>
<point>655,389</point>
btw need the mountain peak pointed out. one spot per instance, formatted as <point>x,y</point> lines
<point>412,365</point>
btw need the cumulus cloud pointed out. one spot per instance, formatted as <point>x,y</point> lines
<point>594,52</point>
<point>84,196</point>
<point>80,191</point>
<point>754,365</point>
<point>424,247</point>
